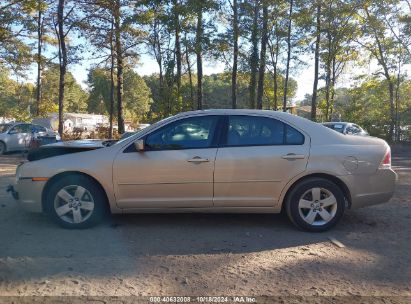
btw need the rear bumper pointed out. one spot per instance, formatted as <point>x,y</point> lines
<point>28,194</point>
<point>367,190</point>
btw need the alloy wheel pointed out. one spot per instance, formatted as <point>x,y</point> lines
<point>74,204</point>
<point>317,206</point>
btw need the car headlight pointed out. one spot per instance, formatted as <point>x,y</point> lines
<point>58,137</point>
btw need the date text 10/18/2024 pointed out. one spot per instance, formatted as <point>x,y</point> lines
<point>202,299</point>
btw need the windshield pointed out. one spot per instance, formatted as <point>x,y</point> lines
<point>4,127</point>
<point>336,127</point>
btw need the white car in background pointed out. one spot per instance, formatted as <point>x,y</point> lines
<point>346,128</point>
<point>17,136</point>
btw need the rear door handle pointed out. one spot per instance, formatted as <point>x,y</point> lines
<point>198,159</point>
<point>292,156</point>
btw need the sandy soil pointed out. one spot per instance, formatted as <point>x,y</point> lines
<point>207,255</point>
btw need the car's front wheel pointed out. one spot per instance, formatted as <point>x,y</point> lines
<point>315,204</point>
<point>76,201</point>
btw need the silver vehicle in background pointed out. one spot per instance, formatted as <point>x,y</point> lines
<point>17,136</point>
<point>346,128</point>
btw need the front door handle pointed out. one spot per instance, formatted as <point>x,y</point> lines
<point>292,156</point>
<point>198,159</point>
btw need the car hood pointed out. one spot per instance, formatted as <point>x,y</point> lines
<point>97,143</point>
<point>65,147</point>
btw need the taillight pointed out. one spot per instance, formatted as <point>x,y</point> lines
<point>386,162</point>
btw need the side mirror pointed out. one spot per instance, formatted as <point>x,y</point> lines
<point>11,132</point>
<point>139,144</point>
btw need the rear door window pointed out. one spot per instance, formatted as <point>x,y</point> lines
<point>260,131</point>
<point>39,129</point>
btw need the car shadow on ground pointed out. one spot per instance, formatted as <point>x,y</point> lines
<point>164,234</point>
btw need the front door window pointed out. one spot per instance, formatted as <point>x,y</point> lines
<point>189,133</point>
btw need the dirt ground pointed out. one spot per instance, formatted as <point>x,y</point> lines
<point>208,255</point>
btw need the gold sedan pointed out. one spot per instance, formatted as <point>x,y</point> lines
<point>225,161</point>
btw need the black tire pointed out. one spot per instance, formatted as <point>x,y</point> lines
<point>95,193</point>
<point>3,148</point>
<point>305,186</point>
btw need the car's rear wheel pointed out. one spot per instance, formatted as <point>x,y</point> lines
<point>315,204</point>
<point>76,201</point>
<point>3,148</point>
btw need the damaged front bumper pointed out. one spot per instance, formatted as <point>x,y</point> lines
<point>28,194</point>
<point>14,193</point>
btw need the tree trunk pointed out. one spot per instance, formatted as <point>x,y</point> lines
<point>333,81</point>
<point>119,55</point>
<point>159,58</point>
<point>190,76</point>
<point>177,48</point>
<point>274,58</point>
<point>277,48</point>
<point>316,65</point>
<point>235,56</point>
<point>112,55</point>
<point>62,62</point>
<point>160,68</point>
<point>199,41</point>
<point>39,60</point>
<point>157,51</point>
<point>327,92</point>
<point>261,72</point>
<point>392,109</point>
<point>287,70</point>
<point>254,56</point>
<point>397,103</point>
<point>328,75</point>
<point>382,61</point>
<point>390,90</point>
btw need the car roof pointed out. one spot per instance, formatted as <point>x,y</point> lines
<point>13,124</point>
<point>19,123</point>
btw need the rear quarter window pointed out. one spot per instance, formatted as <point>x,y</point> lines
<point>293,137</point>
